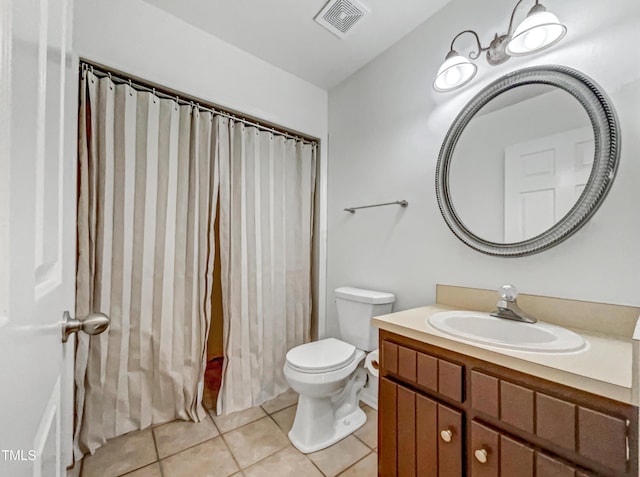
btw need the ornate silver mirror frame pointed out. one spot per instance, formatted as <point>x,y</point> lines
<point>607,151</point>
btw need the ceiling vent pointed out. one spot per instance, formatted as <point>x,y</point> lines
<point>341,16</point>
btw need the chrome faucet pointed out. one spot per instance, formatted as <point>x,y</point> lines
<point>508,307</point>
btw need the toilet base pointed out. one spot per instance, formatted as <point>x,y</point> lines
<point>369,393</point>
<point>341,429</point>
<point>369,398</point>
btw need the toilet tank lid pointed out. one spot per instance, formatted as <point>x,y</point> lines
<point>364,296</point>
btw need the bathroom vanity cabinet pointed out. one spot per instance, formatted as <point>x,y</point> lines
<point>446,414</point>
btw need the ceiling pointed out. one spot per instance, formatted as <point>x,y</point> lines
<point>283,32</point>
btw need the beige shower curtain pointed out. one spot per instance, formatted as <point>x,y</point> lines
<point>148,185</point>
<point>266,219</point>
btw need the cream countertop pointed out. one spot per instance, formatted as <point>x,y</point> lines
<point>604,367</point>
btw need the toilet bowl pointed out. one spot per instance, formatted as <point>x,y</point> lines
<point>328,374</point>
<point>324,375</point>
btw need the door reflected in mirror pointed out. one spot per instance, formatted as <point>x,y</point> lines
<point>521,163</point>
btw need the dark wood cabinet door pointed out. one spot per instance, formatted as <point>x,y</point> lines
<point>484,458</point>
<point>426,437</point>
<point>450,440</point>
<point>387,428</point>
<point>418,436</point>
<point>406,432</point>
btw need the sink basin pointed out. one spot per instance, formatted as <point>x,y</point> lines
<point>484,328</point>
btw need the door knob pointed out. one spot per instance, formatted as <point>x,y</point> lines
<point>94,324</point>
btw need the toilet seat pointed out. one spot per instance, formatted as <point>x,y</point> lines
<point>322,356</point>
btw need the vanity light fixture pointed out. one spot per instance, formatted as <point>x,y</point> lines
<point>539,30</point>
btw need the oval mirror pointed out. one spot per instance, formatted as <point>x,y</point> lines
<point>527,161</point>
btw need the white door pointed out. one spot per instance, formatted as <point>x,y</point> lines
<point>38,123</point>
<point>543,179</point>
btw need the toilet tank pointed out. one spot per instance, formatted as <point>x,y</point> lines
<point>356,307</point>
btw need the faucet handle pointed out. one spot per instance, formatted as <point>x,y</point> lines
<point>508,293</point>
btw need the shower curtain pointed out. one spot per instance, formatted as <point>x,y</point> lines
<point>147,191</point>
<point>150,172</point>
<point>267,185</point>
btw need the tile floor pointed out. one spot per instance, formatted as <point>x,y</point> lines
<point>251,443</point>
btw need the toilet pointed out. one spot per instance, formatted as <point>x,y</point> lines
<point>327,374</point>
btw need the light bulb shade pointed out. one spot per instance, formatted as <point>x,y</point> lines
<point>538,31</point>
<point>455,72</point>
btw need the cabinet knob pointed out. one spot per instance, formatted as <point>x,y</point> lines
<point>446,435</point>
<point>481,456</point>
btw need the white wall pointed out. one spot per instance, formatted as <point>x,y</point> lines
<point>140,39</point>
<point>387,124</point>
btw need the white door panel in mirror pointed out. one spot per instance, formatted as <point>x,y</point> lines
<point>521,163</point>
<point>543,178</point>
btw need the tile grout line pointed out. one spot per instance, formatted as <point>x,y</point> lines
<point>355,463</point>
<point>267,415</point>
<point>140,468</point>
<point>280,410</point>
<point>155,444</point>
<point>153,438</point>
<point>187,448</point>
<point>222,435</point>
<point>365,444</point>
<point>305,455</point>
<point>314,464</point>
<point>265,457</point>
<point>214,424</point>
<point>245,424</point>
<point>213,420</point>
<point>276,422</point>
<point>226,444</point>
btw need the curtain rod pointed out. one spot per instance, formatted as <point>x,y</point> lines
<point>135,84</point>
